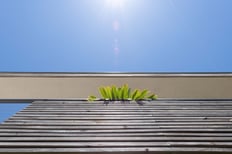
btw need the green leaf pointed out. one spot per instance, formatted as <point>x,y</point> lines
<point>120,93</point>
<point>152,97</point>
<point>108,92</point>
<point>103,92</point>
<point>92,98</point>
<point>125,92</point>
<point>129,93</point>
<point>117,93</point>
<point>114,92</point>
<point>134,93</point>
<point>137,96</point>
<point>142,95</point>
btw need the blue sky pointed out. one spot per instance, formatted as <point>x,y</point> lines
<point>114,36</point>
<point>9,109</point>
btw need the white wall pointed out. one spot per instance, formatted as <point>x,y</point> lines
<point>64,85</point>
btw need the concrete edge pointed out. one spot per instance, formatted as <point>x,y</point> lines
<point>92,74</point>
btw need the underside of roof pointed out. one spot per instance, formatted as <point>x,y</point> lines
<point>161,126</point>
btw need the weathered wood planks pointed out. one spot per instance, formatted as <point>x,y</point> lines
<point>156,127</point>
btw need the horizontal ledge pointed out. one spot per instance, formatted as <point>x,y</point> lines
<point>85,99</point>
<point>92,74</point>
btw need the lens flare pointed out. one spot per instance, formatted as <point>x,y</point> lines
<point>116,25</point>
<point>115,3</point>
<point>116,47</point>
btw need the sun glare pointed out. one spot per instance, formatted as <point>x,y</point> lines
<point>116,4</point>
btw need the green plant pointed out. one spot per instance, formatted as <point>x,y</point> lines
<point>123,93</point>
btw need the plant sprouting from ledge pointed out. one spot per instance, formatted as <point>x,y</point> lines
<point>123,93</point>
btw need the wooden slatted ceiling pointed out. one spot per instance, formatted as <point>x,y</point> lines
<point>155,127</point>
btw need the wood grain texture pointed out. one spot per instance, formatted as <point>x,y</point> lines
<point>156,127</point>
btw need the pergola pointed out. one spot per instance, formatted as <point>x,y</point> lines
<point>161,126</point>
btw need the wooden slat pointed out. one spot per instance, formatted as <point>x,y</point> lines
<point>196,130</point>
<point>115,139</point>
<point>155,112</point>
<point>155,127</point>
<point>120,150</point>
<point>109,109</point>
<point>132,120</point>
<point>121,123</point>
<point>144,134</point>
<point>117,127</point>
<point>113,144</point>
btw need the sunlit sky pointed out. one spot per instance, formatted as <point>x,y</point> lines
<point>115,35</point>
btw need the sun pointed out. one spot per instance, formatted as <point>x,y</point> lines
<point>115,4</point>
